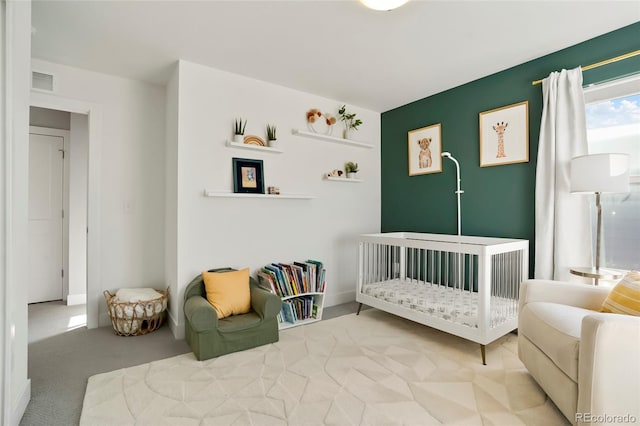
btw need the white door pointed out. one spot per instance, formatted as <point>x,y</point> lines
<point>45,217</point>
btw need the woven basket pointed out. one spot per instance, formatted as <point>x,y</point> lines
<point>136,318</point>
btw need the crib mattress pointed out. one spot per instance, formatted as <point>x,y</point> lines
<point>442,302</point>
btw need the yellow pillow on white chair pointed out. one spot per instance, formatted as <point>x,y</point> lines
<point>625,296</point>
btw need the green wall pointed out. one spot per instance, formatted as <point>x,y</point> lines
<point>497,201</point>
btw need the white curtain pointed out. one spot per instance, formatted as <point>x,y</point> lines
<point>563,226</point>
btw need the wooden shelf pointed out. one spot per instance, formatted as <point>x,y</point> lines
<point>341,179</point>
<point>254,147</point>
<point>242,195</point>
<point>330,138</point>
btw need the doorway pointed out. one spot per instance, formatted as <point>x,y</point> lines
<point>92,116</point>
<point>58,206</point>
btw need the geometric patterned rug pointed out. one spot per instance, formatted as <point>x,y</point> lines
<point>370,369</point>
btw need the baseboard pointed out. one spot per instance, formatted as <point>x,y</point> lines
<point>76,299</point>
<point>176,328</point>
<point>339,298</point>
<point>22,403</point>
<point>104,320</point>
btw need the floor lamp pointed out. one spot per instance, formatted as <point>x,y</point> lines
<point>599,173</point>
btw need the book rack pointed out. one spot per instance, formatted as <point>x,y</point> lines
<point>301,286</point>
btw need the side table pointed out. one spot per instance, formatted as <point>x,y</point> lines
<point>596,274</point>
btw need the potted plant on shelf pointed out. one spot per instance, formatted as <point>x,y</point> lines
<point>351,169</point>
<point>349,119</point>
<point>238,130</point>
<point>271,135</point>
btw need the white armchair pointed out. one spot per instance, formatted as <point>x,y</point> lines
<point>587,362</point>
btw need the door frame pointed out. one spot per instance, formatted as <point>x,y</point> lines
<point>94,113</point>
<point>65,135</point>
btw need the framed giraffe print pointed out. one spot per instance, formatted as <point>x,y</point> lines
<point>504,135</point>
<point>425,146</point>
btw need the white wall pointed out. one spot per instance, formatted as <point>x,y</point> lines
<point>217,232</point>
<point>5,302</point>
<point>131,176</point>
<point>15,27</point>
<point>78,162</point>
<point>171,194</point>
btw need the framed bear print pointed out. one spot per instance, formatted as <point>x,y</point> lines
<point>425,146</point>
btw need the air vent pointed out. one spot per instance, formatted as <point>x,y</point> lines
<point>41,81</point>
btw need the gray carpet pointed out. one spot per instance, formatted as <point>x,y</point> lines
<point>60,366</point>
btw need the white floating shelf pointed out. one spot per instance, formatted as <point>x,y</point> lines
<point>330,138</point>
<point>254,147</point>
<point>341,179</point>
<point>245,195</point>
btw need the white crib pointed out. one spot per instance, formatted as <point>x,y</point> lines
<point>465,286</point>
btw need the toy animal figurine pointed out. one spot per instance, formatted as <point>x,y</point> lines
<point>424,158</point>
<point>335,173</point>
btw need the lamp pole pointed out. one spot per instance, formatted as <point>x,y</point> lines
<point>458,190</point>
<point>598,234</point>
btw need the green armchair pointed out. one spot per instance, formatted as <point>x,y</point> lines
<point>210,337</point>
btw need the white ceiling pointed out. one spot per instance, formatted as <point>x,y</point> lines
<point>336,49</point>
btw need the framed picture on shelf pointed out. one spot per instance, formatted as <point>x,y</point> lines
<point>425,146</point>
<point>248,176</point>
<point>504,135</point>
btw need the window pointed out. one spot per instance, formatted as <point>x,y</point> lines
<point>613,125</point>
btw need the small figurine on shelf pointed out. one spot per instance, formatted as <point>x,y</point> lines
<point>271,136</point>
<point>273,190</point>
<point>335,173</point>
<point>238,130</point>
<point>350,121</point>
<point>351,169</point>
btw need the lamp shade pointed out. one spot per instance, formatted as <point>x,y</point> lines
<point>383,4</point>
<point>600,173</point>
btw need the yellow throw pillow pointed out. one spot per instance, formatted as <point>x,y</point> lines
<point>625,296</point>
<point>228,292</point>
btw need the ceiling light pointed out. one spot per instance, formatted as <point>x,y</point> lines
<point>383,4</point>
